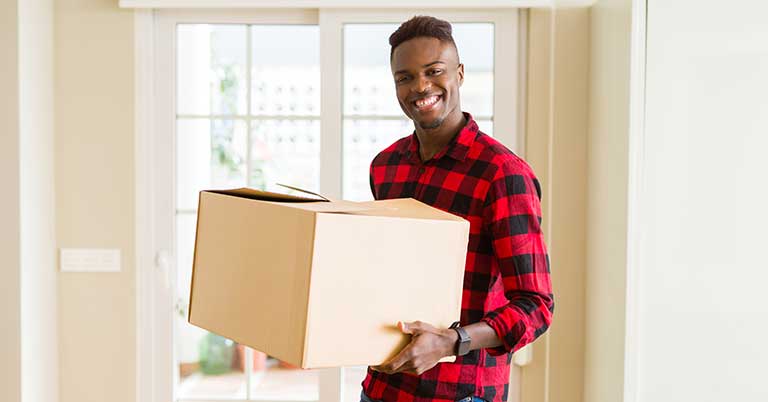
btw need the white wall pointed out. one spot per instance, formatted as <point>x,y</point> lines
<point>28,339</point>
<point>39,284</point>
<point>700,303</point>
<point>607,207</point>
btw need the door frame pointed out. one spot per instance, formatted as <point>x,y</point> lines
<point>154,201</point>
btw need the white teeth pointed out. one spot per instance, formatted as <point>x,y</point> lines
<point>426,101</point>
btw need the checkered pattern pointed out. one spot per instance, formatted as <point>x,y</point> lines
<point>506,279</point>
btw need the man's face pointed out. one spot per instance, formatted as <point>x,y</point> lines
<point>427,77</point>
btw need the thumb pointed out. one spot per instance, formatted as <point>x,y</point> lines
<point>409,327</point>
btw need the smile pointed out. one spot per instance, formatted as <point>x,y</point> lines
<point>428,103</point>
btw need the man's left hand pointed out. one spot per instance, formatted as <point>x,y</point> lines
<point>428,345</point>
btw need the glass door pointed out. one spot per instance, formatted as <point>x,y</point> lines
<point>303,97</point>
<point>247,115</point>
<point>372,118</point>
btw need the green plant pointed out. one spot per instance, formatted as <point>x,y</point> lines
<point>216,354</point>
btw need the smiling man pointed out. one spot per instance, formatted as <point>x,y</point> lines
<point>450,164</point>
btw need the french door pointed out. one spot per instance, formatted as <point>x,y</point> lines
<point>304,97</point>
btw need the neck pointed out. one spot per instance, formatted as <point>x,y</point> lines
<point>431,141</point>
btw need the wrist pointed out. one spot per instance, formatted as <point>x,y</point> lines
<point>464,339</point>
<point>451,339</point>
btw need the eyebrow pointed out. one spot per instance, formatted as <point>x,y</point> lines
<point>424,66</point>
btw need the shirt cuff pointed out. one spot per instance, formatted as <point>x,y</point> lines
<point>497,320</point>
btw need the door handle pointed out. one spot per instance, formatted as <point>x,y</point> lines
<point>163,264</point>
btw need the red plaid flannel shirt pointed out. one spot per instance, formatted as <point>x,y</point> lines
<point>506,278</point>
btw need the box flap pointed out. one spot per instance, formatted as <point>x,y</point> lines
<point>405,208</point>
<point>255,194</point>
<point>399,207</point>
<point>347,207</point>
<point>303,191</point>
<point>308,204</point>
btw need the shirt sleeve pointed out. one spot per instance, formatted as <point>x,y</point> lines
<point>512,215</point>
<point>370,182</point>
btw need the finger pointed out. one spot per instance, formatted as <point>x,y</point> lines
<point>423,369</point>
<point>394,364</point>
<point>406,366</point>
<point>413,328</point>
<point>411,367</point>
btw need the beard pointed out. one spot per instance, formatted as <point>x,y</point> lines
<point>432,125</point>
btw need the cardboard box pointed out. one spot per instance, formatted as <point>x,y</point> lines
<point>323,284</point>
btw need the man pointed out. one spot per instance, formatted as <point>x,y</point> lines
<point>450,164</point>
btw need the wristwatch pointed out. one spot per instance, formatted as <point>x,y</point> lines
<point>462,345</point>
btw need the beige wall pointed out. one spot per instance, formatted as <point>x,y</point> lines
<point>557,150</point>
<point>607,223</point>
<point>10,241</point>
<point>533,381</point>
<point>94,157</point>
<point>568,233</point>
<point>94,196</point>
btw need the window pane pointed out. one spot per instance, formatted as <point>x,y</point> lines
<point>281,382</point>
<point>286,152</point>
<point>285,73</point>
<point>485,126</point>
<point>353,377</point>
<point>363,139</point>
<point>369,91</point>
<point>368,85</point>
<point>209,154</point>
<point>211,69</point>
<point>254,150</point>
<point>475,43</point>
<point>207,362</point>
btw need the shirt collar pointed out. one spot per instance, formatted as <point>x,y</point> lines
<point>456,149</point>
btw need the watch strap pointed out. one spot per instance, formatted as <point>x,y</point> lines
<point>462,344</point>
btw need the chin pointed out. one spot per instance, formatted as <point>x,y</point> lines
<point>428,125</point>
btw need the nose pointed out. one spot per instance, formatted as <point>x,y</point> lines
<point>422,84</point>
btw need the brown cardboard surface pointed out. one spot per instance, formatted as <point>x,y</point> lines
<point>229,296</point>
<point>353,310</point>
<point>322,284</point>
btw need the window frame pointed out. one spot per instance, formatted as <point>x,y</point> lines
<point>508,127</point>
<point>155,119</point>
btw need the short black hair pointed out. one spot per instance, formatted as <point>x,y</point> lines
<point>422,26</point>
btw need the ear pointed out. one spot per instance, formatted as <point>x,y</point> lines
<point>460,73</point>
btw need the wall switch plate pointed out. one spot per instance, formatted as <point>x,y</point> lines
<point>89,260</point>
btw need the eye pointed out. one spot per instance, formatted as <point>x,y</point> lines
<point>401,79</point>
<point>435,71</point>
